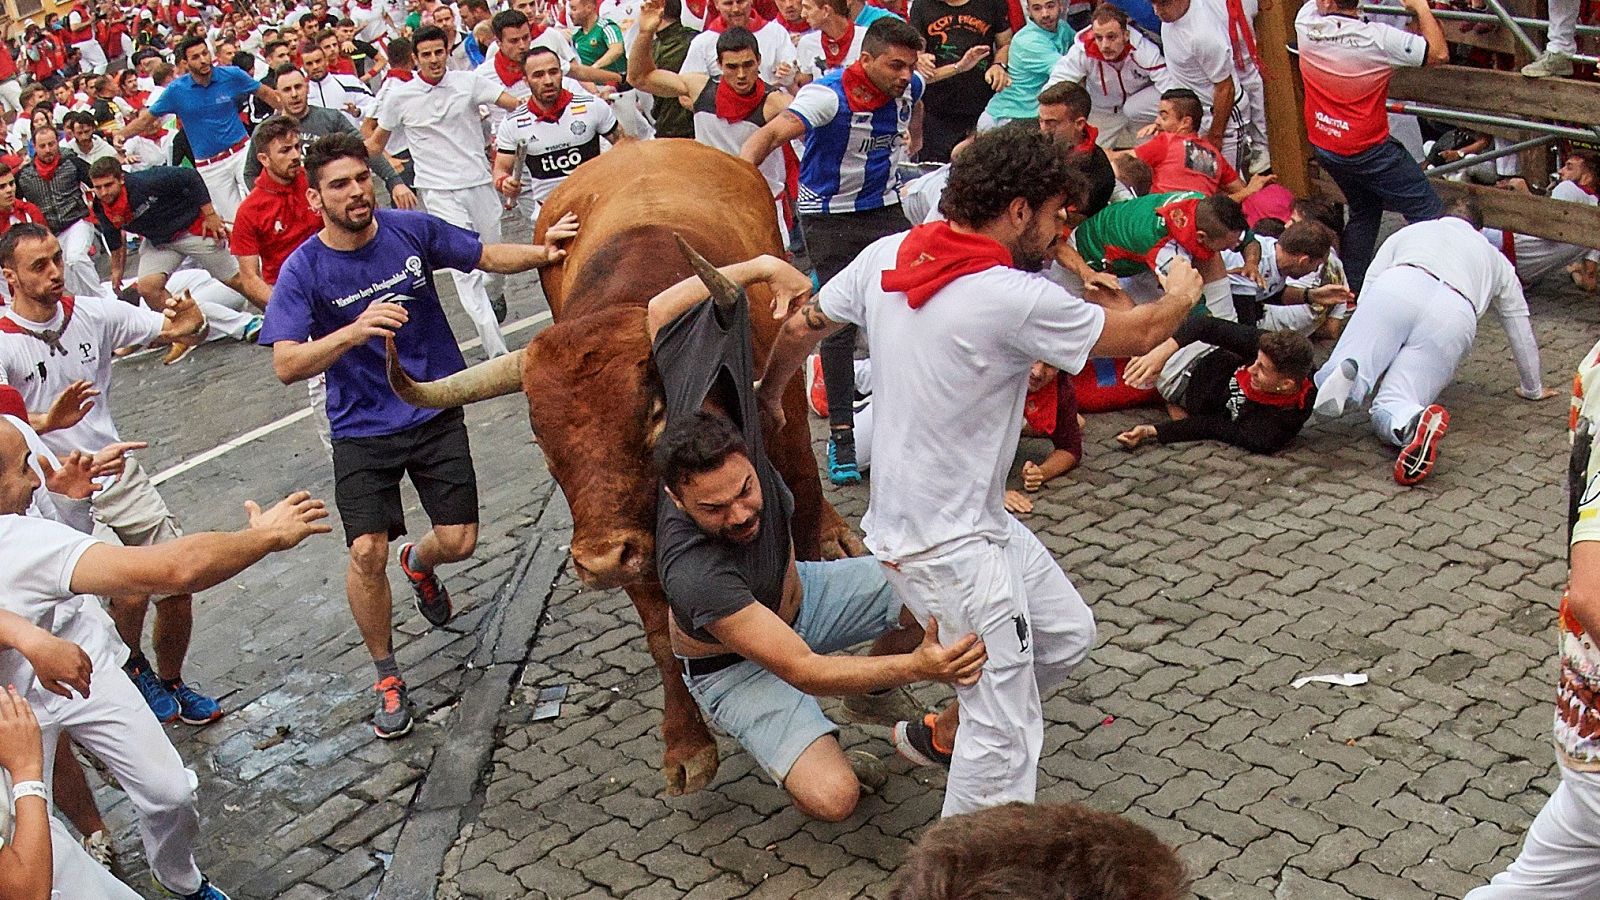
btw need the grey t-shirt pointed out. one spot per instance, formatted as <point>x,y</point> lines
<point>705,578</point>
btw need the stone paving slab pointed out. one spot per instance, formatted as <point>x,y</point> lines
<point>1216,578</point>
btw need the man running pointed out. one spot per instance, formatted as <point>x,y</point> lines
<point>956,303</point>
<point>368,274</point>
<point>55,184</point>
<point>1419,311</point>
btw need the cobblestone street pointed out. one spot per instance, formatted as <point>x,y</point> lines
<point>1217,578</point>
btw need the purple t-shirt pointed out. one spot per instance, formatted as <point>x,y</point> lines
<point>321,290</point>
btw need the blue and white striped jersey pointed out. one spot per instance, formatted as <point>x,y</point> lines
<point>850,159</point>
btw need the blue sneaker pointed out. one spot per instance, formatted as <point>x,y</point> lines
<point>194,707</point>
<point>161,700</point>
<point>842,469</point>
<point>253,328</point>
<point>208,891</point>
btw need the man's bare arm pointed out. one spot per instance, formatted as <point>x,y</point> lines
<point>1137,331</point>
<point>1222,95</point>
<point>772,135</point>
<point>788,284</point>
<point>799,333</point>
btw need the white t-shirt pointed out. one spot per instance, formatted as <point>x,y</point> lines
<point>397,142</point>
<point>552,150</point>
<point>1198,54</point>
<point>494,115</point>
<point>442,127</point>
<point>1244,284</point>
<point>626,14</point>
<point>919,198</point>
<point>949,381</point>
<point>1537,254</point>
<point>809,56</point>
<point>1345,66</point>
<point>36,584</point>
<point>334,90</point>
<point>775,46</point>
<point>1459,255</point>
<point>99,325</point>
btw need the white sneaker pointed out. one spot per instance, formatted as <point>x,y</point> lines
<point>1333,398</point>
<point>1550,63</point>
<point>98,846</point>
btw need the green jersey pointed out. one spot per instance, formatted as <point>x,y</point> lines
<point>1123,238</point>
<point>591,44</point>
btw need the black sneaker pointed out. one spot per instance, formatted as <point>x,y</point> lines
<point>914,742</point>
<point>499,308</point>
<point>393,718</point>
<point>433,601</point>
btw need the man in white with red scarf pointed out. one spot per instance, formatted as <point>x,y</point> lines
<point>1120,69</point>
<point>778,66</point>
<point>959,302</point>
<point>728,108</point>
<point>833,42</point>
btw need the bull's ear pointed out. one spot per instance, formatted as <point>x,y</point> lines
<point>655,423</point>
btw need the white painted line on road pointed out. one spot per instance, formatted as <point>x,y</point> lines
<point>256,434</point>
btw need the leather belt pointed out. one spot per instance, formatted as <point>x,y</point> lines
<point>219,157</point>
<point>699,667</point>
<point>1453,288</point>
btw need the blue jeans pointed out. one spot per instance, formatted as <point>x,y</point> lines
<point>1376,179</point>
<point>845,602</point>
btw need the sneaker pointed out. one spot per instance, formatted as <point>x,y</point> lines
<point>913,740</point>
<point>433,601</point>
<point>99,848</point>
<point>886,709</point>
<point>842,469</point>
<point>498,306</point>
<point>1334,395</point>
<point>393,718</point>
<point>816,391</point>
<point>177,352</point>
<point>1416,460</point>
<point>161,700</point>
<point>194,707</point>
<point>1549,64</point>
<point>253,328</point>
<point>208,891</point>
<point>869,769</point>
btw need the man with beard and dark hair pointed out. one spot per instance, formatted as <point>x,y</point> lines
<point>957,302</point>
<point>755,629</point>
<point>368,275</point>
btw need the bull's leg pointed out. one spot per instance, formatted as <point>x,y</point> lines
<point>690,760</point>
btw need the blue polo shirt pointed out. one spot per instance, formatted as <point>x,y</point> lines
<point>210,113</point>
<point>870,14</point>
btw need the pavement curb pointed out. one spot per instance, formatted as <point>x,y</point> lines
<point>449,789</point>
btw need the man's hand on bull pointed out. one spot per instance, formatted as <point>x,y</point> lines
<point>380,319</point>
<point>960,663</point>
<point>564,229</point>
<point>790,286</point>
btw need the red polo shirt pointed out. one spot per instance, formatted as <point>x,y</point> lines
<point>272,222</point>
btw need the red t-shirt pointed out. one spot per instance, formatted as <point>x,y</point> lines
<point>272,222</point>
<point>1345,65</point>
<point>1184,162</point>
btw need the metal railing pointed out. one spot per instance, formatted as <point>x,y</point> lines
<point>1498,15</point>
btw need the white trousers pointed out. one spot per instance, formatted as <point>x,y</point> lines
<point>1118,125</point>
<point>77,241</point>
<point>1563,35</point>
<point>1036,629</point>
<point>1407,335</point>
<point>477,209</point>
<point>225,180</point>
<point>1537,257</point>
<point>228,312</point>
<point>74,873</point>
<point>92,56</point>
<point>115,724</point>
<point>631,109</point>
<point>1560,859</point>
<point>11,95</point>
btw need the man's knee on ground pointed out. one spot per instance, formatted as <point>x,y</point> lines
<point>369,555</point>
<point>831,797</point>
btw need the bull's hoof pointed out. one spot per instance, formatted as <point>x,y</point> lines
<point>842,543</point>
<point>691,773</point>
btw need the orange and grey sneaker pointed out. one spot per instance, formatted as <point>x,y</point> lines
<point>1417,458</point>
<point>433,601</point>
<point>914,742</point>
<point>393,718</point>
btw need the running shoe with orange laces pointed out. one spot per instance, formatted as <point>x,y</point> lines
<point>393,718</point>
<point>433,601</point>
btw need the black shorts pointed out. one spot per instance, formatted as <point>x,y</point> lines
<point>366,477</point>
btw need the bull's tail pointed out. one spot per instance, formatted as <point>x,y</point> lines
<point>493,378</point>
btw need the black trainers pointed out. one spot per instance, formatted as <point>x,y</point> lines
<point>499,308</point>
<point>433,601</point>
<point>393,718</point>
<point>914,742</point>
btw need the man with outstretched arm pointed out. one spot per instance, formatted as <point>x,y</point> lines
<point>959,302</point>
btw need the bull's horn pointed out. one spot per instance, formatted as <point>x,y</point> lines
<point>493,378</point>
<point>722,288</point>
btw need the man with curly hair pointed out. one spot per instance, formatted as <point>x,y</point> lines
<point>956,314</point>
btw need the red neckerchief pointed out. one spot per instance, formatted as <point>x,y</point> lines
<point>47,172</point>
<point>1297,400</point>
<point>1040,408</point>
<point>1590,191</point>
<point>1090,134</point>
<point>50,337</point>
<point>1181,227</point>
<point>833,51</point>
<point>933,255</point>
<point>698,7</point>
<point>717,25</point>
<point>859,91</point>
<point>118,212</point>
<point>1241,32</point>
<point>432,83</point>
<point>1086,38</point>
<point>510,73</point>
<point>400,75</point>
<point>11,403</point>
<point>733,106</point>
<point>797,27</point>
<point>343,66</point>
<point>554,115</point>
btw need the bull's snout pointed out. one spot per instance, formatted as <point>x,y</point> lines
<point>611,562</point>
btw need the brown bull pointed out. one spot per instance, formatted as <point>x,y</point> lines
<point>594,398</point>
